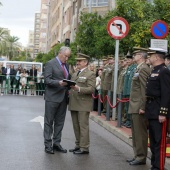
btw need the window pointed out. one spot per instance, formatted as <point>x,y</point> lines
<point>43,35</point>
<point>95,3</point>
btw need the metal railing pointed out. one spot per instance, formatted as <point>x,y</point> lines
<point>11,85</point>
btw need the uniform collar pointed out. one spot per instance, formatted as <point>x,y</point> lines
<point>139,65</point>
<point>158,66</point>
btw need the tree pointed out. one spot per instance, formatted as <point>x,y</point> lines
<point>92,36</point>
<point>12,45</point>
<point>3,44</point>
<point>85,36</point>
<point>139,15</point>
<point>161,12</point>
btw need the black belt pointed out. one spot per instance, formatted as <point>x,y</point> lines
<point>151,98</point>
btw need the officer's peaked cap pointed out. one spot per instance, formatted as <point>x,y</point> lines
<point>104,58</point>
<point>157,51</point>
<point>81,56</point>
<point>110,56</point>
<point>139,50</point>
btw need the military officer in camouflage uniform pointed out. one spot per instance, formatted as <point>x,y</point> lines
<point>127,87</point>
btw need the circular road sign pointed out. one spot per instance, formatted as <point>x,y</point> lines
<point>159,29</point>
<point>117,28</point>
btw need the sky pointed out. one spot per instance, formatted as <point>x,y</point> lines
<point>18,17</point>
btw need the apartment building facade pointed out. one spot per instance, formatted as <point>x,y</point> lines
<point>43,26</point>
<point>30,46</point>
<point>36,33</point>
<point>63,17</point>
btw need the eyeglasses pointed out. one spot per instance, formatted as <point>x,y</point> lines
<point>137,54</point>
<point>65,55</point>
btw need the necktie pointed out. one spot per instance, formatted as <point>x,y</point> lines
<point>64,70</point>
<point>78,72</point>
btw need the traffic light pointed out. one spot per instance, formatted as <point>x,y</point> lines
<point>67,42</point>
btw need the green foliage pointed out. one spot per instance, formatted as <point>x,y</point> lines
<point>161,11</point>
<point>85,36</point>
<point>92,37</point>
<point>41,57</point>
<point>74,51</point>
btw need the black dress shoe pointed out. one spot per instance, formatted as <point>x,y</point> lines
<point>59,148</point>
<point>49,151</point>
<point>81,152</point>
<point>130,160</point>
<point>135,162</point>
<point>75,149</point>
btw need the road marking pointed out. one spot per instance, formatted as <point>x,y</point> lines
<point>40,120</point>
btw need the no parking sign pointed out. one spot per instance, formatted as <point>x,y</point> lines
<point>159,29</point>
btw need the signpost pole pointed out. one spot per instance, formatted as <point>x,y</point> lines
<point>115,79</point>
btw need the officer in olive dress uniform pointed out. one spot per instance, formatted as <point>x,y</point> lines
<point>109,76</point>
<point>137,108</point>
<point>103,84</point>
<point>157,106</point>
<point>80,103</point>
<point>109,73</point>
<point>120,84</point>
<point>127,86</point>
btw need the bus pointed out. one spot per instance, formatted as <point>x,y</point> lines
<point>24,64</point>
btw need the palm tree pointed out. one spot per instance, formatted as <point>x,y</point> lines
<point>3,34</point>
<point>12,45</point>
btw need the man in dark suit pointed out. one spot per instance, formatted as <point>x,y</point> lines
<point>56,93</point>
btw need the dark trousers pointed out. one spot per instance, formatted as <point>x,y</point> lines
<point>157,143</point>
<point>53,122</point>
<point>17,86</point>
<point>12,84</point>
<point>39,88</point>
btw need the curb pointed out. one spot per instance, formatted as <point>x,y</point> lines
<point>118,132</point>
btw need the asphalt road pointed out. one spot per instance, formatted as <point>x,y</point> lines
<point>22,148</point>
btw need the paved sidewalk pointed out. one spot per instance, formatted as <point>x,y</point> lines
<point>122,133</point>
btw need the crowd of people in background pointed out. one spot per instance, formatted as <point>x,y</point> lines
<point>19,80</point>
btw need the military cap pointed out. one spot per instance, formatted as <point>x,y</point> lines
<point>139,50</point>
<point>121,57</point>
<point>104,58</point>
<point>110,56</point>
<point>157,51</point>
<point>81,56</point>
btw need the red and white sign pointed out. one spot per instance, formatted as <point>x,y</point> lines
<point>117,28</point>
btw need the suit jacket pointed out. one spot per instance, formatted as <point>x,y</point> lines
<point>52,75</point>
<point>137,95</point>
<point>82,101</point>
<point>33,73</point>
